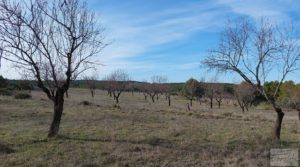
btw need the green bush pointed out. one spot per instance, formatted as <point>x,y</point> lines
<point>22,96</point>
<point>5,92</point>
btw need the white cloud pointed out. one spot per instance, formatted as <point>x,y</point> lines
<point>132,34</point>
<point>274,10</point>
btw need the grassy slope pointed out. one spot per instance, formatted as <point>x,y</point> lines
<point>138,134</point>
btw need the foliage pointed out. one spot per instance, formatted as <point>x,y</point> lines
<point>23,96</point>
<point>290,95</point>
<point>6,92</point>
<point>270,88</point>
<point>245,95</point>
<point>192,88</point>
<point>3,82</point>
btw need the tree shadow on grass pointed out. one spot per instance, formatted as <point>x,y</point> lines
<point>152,141</point>
<point>4,149</point>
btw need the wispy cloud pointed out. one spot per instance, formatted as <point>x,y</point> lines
<point>276,10</point>
<point>134,34</point>
<point>148,40</point>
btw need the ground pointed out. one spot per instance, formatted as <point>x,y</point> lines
<point>138,133</point>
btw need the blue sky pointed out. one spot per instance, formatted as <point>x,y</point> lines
<point>171,37</point>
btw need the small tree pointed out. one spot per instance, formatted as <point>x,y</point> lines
<point>48,38</point>
<point>244,94</point>
<point>118,81</point>
<point>91,83</point>
<point>219,94</point>
<point>155,87</point>
<point>253,52</point>
<point>144,87</point>
<point>192,89</point>
<point>210,93</point>
<point>131,87</point>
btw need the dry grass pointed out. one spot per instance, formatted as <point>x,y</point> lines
<point>94,132</point>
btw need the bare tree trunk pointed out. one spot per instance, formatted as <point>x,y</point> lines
<point>211,102</point>
<point>169,98</point>
<point>191,102</point>
<point>117,99</point>
<point>219,104</point>
<point>246,106</point>
<point>58,110</point>
<point>243,109</point>
<point>241,104</point>
<point>298,114</point>
<point>277,128</point>
<point>92,92</point>
<point>157,97</point>
<point>67,94</point>
<point>152,97</point>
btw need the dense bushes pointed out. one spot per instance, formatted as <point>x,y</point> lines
<point>3,82</point>
<point>22,96</point>
<point>5,92</point>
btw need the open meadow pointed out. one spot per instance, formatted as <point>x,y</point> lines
<point>138,133</point>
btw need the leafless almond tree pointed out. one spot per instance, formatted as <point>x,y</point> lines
<point>118,81</point>
<point>91,83</point>
<point>156,86</point>
<point>48,39</point>
<point>253,51</point>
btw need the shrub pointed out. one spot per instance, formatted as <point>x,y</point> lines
<point>5,92</point>
<point>22,96</point>
<point>85,103</point>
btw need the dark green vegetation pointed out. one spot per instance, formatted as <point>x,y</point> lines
<point>94,132</point>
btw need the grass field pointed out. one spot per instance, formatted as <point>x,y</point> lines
<point>139,133</point>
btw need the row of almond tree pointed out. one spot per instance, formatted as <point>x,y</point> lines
<point>242,95</point>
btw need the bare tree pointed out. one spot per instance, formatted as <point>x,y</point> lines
<point>253,51</point>
<point>118,81</point>
<point>219,95</point>
<point>131,87</point>
<point>156,86</point>
<point>223,92</point>
<point>244,94</point>
<point>46,38</point>
<point>210,93</point>
<point>91,83</point>
<point>144,87</point>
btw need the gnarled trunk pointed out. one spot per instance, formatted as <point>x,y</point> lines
<point>152,97</point>
<point>117,99</point>
<point>58,110</point>
<point>92,92</point>
<point>277,128</point>
<point>67,94</point>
